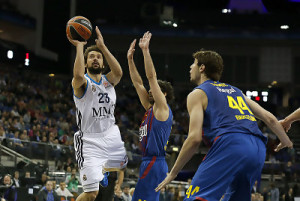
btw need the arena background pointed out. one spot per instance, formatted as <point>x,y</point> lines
<point>258,39</point>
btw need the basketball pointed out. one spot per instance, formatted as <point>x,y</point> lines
<point>79,28</point>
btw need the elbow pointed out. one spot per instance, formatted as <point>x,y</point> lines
<point>270,119</point>
<point>151,76</point>
<point>196,140</point>
<point>119,73</point>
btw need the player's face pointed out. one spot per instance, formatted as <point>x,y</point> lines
<point>151,99</point>
<point>194,72</point>
<point>95,62</point>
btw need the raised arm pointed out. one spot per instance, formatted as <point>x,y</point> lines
<point>115,75</point>
<point>78,81</point>
<point>287,122</point>
<point>136,78</point>
<point>196,102</point>
<point>161,105</point>
<point>270,120</point>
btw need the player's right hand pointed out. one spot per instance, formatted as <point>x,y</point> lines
<point>131,50</point>
<point>76,42</point>
<point>281,145</point>
<point>285,124</point>
<point>145,41</point>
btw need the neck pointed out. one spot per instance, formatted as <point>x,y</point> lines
<point>95,77</point>
<point>202,79</point>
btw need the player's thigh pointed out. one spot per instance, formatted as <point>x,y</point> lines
<point>90,177</point>
<point>151,174</point>
<point>117,157</point>
<point>240,188</point>
<point>224,160</point>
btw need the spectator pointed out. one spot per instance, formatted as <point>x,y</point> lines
<point>274,193</point>
<point>47,193</point>
<point>63,191</point>
<point>28,181</point>
<point>16,181</point>
<point>10,193</point>
<point>289,196</point>
<point>126,196</point>
<point>42,181</point>
<point>72,182</point>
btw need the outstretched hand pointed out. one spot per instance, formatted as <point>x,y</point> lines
<point>131,50</point>
<point>99,41</point>
<point>145,41</point>
<point>76,42</point>
<point>165,182</point>
<point>285,124</point>
<point>281,145</point>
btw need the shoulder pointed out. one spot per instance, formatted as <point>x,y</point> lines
<point>197,93</point>
<point>197,98</point>
<point>106,82</point>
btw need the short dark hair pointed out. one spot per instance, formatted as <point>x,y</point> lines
<point>167,88</point>
<point>94,48</point>
<point>212,61</point>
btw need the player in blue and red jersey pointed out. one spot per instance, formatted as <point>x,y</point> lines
<point>227,119</point>
<point>156,125</point>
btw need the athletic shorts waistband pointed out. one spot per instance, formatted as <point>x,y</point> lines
<point>149,158</point>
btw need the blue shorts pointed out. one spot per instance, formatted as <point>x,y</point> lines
<point>231,167</point>
<point>153,171</point>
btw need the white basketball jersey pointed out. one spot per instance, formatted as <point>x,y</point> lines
<point>95,109</point>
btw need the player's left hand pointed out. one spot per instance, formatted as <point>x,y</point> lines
<point>165,182</point>
<point>282,145</point>
<point>285,124</point>
<point>145,41</point>
<point>99,41</point>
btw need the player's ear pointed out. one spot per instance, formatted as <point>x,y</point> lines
<point>201,68</point>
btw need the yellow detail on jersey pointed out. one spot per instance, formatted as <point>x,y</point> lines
<point>242,104</point>
<point>219,85</point>
<point>233,104</point>
<point>189,191</point>
<point>240,117</point>
<point>166,145</point>
<point>141,200</point>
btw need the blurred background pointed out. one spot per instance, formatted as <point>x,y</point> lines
<point>259,41</point>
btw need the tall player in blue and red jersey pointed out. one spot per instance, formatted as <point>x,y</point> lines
<point>227,118</point>
<point>156,125</point>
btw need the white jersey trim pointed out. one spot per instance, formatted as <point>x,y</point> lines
<point>83,92</point>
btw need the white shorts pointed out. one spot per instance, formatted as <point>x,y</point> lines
<point>95,151</point>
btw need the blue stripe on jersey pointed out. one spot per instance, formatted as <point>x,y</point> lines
<point>98,83</point>
<point>154,134</point>
<point>227,112</point>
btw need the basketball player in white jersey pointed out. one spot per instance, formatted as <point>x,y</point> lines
<point>98,142</point>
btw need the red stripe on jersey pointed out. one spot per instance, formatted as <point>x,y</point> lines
<point>201,199</point>
<point>216,138</point>
<point>148,168</point>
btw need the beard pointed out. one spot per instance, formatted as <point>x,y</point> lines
<point>95,70</point>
